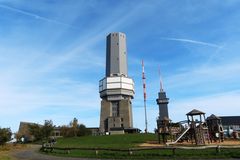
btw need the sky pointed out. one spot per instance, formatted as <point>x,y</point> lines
<point>52,56</point>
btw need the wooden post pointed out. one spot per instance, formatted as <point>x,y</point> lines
<point>159,137</point>
<point>218,150</point>
<point>174,151</point>
<point>130,152</point>
<point>96,152</point>
<point>68,151</point>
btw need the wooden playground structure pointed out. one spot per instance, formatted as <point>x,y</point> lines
<point>195,130</point>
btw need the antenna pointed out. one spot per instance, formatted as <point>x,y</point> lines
<point>161,82</point>
<point>144,95</point>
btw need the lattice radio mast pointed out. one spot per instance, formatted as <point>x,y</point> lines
<point>144,95</point>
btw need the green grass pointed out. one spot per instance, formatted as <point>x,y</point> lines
<point>113,141</point>
<point>155,154</point>
<point>132,141</point>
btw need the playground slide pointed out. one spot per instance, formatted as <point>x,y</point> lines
<point>179,137</point>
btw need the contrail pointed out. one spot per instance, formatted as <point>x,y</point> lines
<point>192,41</point>
<point>35,16</point>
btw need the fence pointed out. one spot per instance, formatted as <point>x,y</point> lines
<point>130,151</point>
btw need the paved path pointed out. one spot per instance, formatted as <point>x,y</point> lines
<point>32,153</point>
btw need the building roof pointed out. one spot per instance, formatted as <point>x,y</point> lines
<point>116,129</point>
<point>230,120</point>
<point>92,127</point>
<point>194,112</point>
<point>213,117</point>
<point>25,125</point>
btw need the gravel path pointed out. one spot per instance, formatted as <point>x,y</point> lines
<point>31,153</point>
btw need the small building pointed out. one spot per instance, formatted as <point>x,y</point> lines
<point>56,132</point>
<point>132,130</point>
<point>23,131</point>
<point>231,125</point>
<point>120,130</point>
<point>94,131</point>
<point>116,130</point>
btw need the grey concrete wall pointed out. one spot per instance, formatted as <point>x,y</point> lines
<point>124,119</point>
<point>114,122</point>
<point>125,111</point>
<point>116,54</point>
<point>106,111</point>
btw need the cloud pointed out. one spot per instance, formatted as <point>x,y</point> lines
<point>33,87</point>
<point>36,16</point>
<point>213,104</point>
<point>217,75</point>
<point>192,41</point>
<point>92,39</point>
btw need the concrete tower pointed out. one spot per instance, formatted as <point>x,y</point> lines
<point>116,89</point>
<point>162,102</point>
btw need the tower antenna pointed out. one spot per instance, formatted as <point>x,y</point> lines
<point>161,82</point>
<point>144,95</point>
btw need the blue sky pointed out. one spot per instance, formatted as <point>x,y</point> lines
<point>52,55</point>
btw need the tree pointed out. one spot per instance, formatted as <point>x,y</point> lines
<point>74,129</point>
<point>47,129</point>
<point>83,131</point>
<point>36,131</point>
<point>5,135</point>
<point>74,126</point>
<point>41,132</point>
<point>65,131</point>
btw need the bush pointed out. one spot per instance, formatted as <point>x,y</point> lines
<point>5,135</point>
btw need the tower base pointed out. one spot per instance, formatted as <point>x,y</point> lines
<point>115,114</point>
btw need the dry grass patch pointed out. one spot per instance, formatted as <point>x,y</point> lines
<point>8,148</point>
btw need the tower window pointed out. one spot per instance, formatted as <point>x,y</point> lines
<point>115,109</point>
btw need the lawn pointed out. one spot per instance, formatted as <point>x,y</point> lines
<point>132,141</point>
<point>113,141</point>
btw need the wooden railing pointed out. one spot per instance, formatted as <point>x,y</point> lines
<point>130,151</point>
